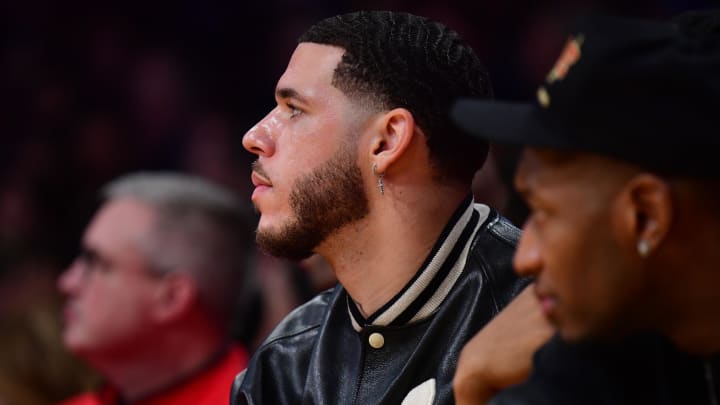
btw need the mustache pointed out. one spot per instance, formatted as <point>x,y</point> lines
<point>257,168</point>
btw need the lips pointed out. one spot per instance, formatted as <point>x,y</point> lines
<point>261,184</point>
<point>547,301</point>
<point>547,304</point>
<point>259,180</point>
<point>69,313</point>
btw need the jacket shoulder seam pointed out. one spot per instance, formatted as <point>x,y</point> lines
<point>510,235</point>
<point>312,306</point>
<point>289,335</point>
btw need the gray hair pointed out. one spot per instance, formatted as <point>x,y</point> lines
<point>201,229</point>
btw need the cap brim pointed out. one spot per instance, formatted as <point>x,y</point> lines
<point>504,123</point>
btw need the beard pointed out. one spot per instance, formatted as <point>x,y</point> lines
<point>323,201</point>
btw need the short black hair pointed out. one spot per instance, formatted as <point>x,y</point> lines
<point>402,60</point>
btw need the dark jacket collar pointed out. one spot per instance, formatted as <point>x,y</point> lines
<point>422,295</point>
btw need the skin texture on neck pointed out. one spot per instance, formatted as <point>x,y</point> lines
<point>688,264</point>
<point>377,256</point>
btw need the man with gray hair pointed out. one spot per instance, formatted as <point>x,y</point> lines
<point>151,294</point>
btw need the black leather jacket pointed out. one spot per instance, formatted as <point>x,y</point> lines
<point>325,352</point>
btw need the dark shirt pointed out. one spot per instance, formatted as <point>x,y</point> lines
<point>644,369</point>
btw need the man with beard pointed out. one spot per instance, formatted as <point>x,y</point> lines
<point>620,173</point>
<point>151,295</point>
<point>359,163</point>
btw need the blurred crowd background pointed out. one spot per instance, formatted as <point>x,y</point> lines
<point>92,90</point>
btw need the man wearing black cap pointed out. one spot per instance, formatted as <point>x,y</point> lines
<point>621,178</point>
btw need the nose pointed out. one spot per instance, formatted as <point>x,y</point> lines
<point>528,258</point>
<point>260,138</point>
<point>72,278</point>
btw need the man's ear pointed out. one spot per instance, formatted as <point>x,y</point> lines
<point>649,214</point>
<point>175,296</point>
<point>394,132</point>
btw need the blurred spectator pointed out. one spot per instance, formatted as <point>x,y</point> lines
<point>34,367</point>
<point>152,293</point>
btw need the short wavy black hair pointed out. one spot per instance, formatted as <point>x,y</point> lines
<point>402,60</point>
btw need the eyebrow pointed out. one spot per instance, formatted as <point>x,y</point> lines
<point>90,254</point>
<point>87,252</point>
<point>522,187</point>
<point>287,92</point>
<point>524,193</point>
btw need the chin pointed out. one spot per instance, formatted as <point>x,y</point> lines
<point>76,339</point>
<point>575,331</point>
<point>74,344</point>
<point>591,333</point>
<point>572,335</point>
<point>269,225</point>
<point>263,232</point>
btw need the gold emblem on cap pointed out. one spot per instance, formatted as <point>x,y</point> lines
<point>569,56</point>
<point>543,97</point>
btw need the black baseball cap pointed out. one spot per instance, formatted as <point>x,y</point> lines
<point>644,92</point>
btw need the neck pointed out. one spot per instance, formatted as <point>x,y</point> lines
<point>157,365</point>
<point>375,258</point>
<point>691,292</point>
<point>687,269</point>
<point>695,324</point>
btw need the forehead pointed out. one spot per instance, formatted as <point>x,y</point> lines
<point>541,165</point>
<point>543,172</point>
<point>311,68</point>
<point>120,223</point>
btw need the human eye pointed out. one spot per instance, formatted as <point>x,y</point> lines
<point>294,110</point>
<point>87,257</point>
<point>537,216</point>
<point>92,261</point>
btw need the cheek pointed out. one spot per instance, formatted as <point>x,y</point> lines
<point>302,149</point>
<point>114,309</point>
<point>573,265</point>
<point>599,281</point>
<point>309,141</point>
